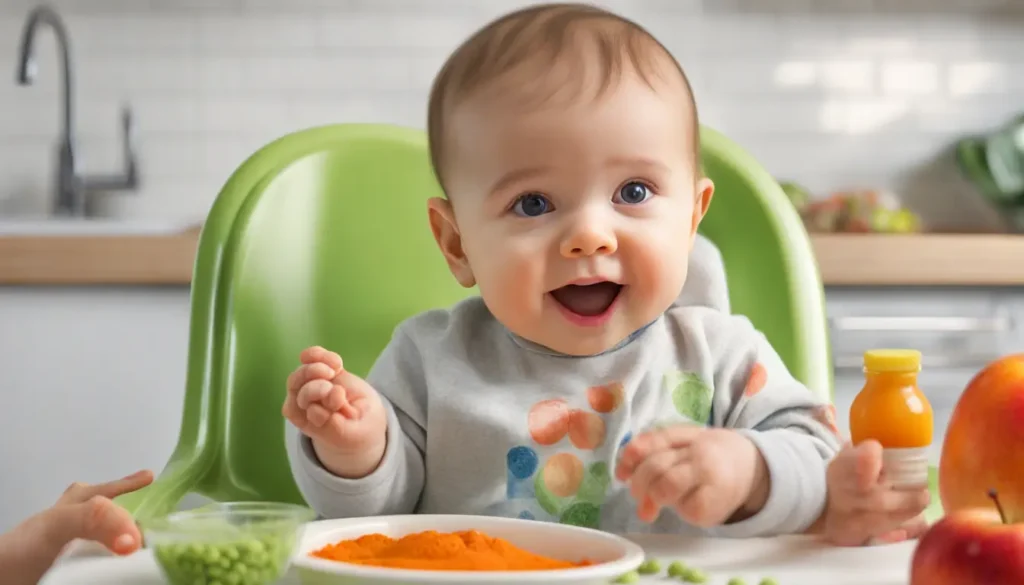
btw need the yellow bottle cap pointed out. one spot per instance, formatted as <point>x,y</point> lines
<point>892,360</point>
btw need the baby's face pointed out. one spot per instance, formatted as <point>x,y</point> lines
<point>576,222</point>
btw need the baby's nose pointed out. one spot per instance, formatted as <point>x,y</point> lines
<point>588,240</point>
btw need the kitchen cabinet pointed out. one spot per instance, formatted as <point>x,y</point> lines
<point>93,382</point>
<point>958,331</point>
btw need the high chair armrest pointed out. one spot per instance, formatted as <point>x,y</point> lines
<point>181,475</point>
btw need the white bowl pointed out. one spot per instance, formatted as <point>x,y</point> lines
<point>612,554</point>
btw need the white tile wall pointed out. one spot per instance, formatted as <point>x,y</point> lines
<point>835,93</point>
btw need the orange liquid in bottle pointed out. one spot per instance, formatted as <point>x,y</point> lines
<point>892,410</point>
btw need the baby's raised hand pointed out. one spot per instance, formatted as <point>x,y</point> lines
<point>862,508</point>
<point>705,475</point>
<point>339,411</point>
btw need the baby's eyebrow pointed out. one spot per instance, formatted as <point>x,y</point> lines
<point>516,175</point>
<point>634,162</point>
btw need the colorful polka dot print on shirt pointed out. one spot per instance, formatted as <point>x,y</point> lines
<point>561,477</point>
<point>586,430</point>
<point>691,395</point>
<point>606,399</point>
<point>522,463</point>
<point>626,439</point>
<point>757,380</point>
<point>548,421</point>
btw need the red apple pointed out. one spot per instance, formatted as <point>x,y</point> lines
<point>970,547</point>
<point>984,444</point>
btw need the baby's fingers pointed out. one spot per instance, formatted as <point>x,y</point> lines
<point>664,477</point>
<point>78,492</point>
<point>103,521</point>
<point>901,504</point>
<point>313,392</point>
<point>315,354</point>
<point>291,411</point>
<point>317,415</point>
<point>859,529</point>
<point>867,464</point>
<point>700,507</point>
<point>910,530</point>
<point>916,527</point>
<point>97,519</point>
<point>125,485</point>
<point>642,446</point>
<point>307,373</point>
<point>647,510</point>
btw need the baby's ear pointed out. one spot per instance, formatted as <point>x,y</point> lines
<point>704,192</point>
<point>449,239</point>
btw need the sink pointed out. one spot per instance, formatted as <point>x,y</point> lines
<point>56,226</point>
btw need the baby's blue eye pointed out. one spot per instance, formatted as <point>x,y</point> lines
<point>532,205</point>
<point>632,193</point>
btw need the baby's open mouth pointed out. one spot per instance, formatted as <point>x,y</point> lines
<point>587,300</point>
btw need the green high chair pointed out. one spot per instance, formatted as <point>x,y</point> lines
<point>321,238</point>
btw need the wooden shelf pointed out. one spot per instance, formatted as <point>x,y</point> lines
<point>98,260</point>
<point>844,260</point>
<point>920,260</point>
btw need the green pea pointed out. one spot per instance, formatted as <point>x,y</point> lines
<point>252,561</point>
<point>676,569</point>
<point>649,567</point>
<point>695,576</point>
<point>630,577</point>
<point>768,581</point>
<point>736,581</point>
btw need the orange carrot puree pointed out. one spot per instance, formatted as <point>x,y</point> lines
<point>468,550</point>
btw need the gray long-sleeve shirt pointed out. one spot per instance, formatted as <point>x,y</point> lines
<point>483,422</point>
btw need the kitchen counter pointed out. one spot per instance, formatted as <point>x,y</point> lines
<point>920,260</point>
<point>844,259</point>
<point>98,260</point>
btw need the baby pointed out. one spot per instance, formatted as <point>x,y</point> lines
<point>575,389</point>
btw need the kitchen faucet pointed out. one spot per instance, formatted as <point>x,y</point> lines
<point>72,188</point>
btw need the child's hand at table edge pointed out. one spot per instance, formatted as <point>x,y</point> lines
<point>342,415</point>
<point>707,476</point>
<point>862,509</point>
<point>82,512</point>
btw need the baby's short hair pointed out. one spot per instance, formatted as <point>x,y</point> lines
<point>540,36</point>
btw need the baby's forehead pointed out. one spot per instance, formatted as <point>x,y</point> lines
<point>580,68</point>
<point>633,131</point>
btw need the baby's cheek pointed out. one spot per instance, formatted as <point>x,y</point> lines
<point>512,289</point>
<point>659,274</point>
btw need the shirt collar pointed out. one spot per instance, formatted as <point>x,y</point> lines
<point>541,349</point>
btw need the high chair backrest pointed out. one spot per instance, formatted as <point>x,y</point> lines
<point>321,238</point>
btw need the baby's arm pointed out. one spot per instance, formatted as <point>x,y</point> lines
<point>793,430</point>
<point>394,487</point>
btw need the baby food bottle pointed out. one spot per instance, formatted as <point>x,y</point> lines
<point>892,410</point>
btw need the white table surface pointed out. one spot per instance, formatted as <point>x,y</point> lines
<point>790,560</point>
